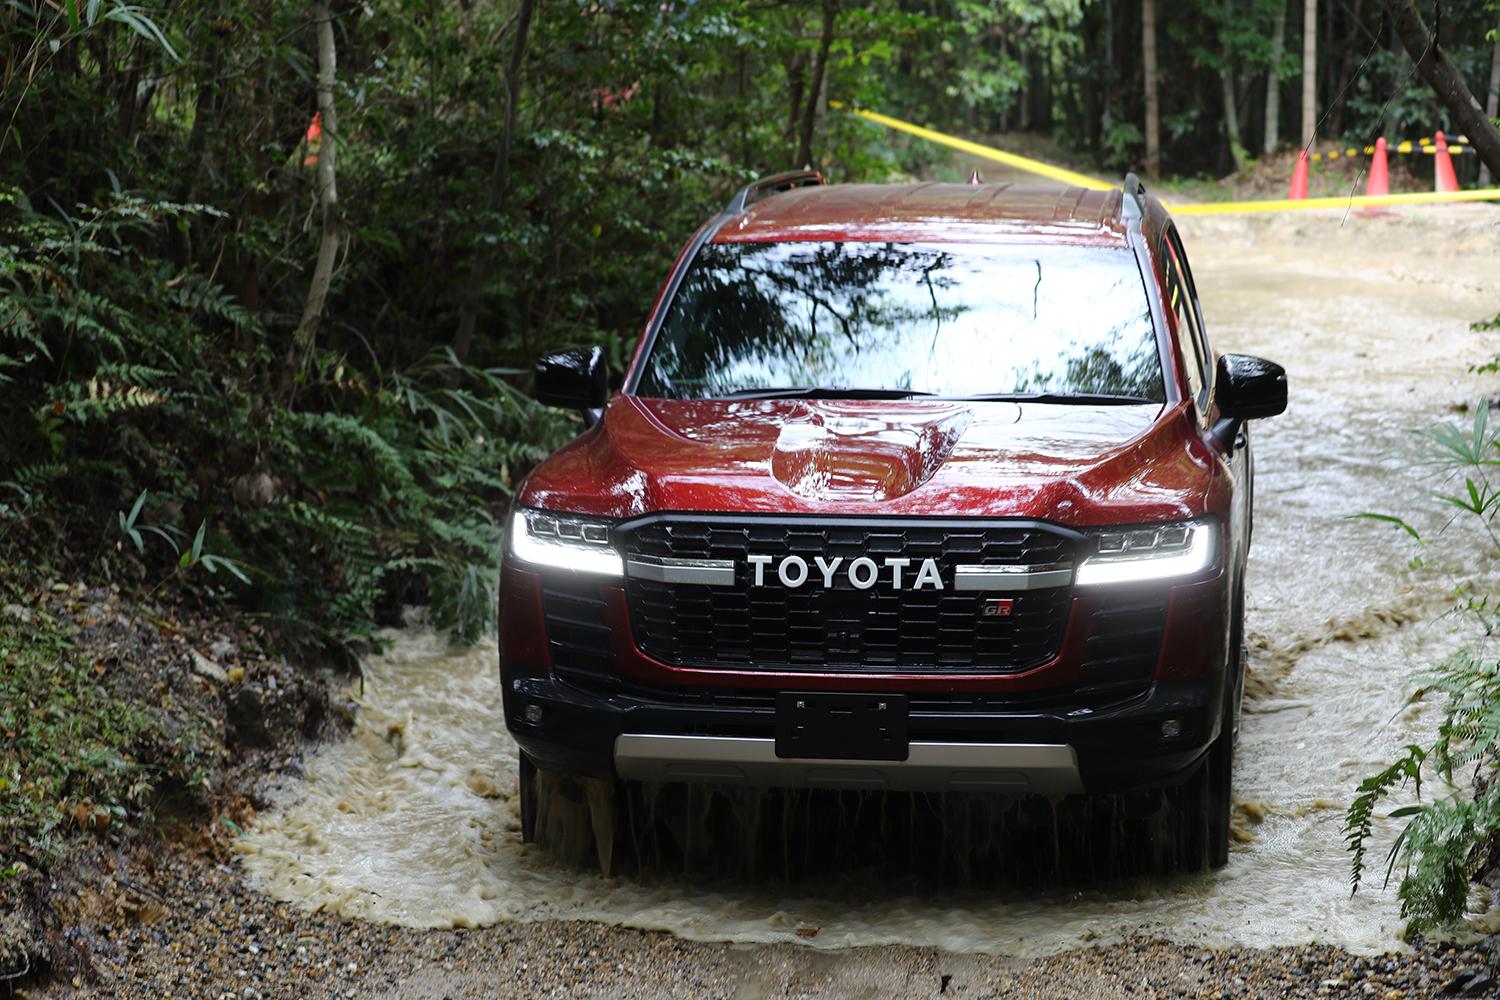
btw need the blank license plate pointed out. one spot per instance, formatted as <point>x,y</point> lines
<point>841,726</point>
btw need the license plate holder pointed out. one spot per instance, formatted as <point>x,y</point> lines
<point>842,726</point>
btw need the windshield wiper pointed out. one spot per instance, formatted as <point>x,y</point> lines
<point>821,392</point>
<point>1076,398</point>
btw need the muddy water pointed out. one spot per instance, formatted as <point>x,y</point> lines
<point>414,821</point>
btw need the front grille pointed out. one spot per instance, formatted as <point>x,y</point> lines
<point>843,627</point>
<point>1123,643</point>
<point>577,633</point>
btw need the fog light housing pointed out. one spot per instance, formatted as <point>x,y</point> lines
<point>533,714</point>
<point>1170,728</point>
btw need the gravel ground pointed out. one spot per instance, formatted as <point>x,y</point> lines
<point>144,922</point>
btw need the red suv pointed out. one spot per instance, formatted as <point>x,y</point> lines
<point>925,487</point>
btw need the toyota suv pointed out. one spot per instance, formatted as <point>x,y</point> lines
<point>921,487</point>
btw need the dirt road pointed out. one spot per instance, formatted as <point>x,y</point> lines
<point>411,822</point>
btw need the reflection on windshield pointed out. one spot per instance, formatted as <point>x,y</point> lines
<point>947,319</point>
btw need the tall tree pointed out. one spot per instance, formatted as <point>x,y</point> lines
<point>1427,51</point>
<point>1492,101</point>
<point>1231,115</point>
<point>1309,71</point>
<point>815,94</point>
<point>1273,80</point>
<point>1153,110</point>
<point>328,199</point>
<point>479,266</point>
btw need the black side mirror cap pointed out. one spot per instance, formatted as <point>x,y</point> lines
<point>1248,388</point>
<point>572,379</point>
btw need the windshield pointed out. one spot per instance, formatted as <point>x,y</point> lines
<point>942,319</point>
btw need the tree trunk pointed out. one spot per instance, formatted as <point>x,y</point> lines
<point>1432,63</point>
<point>1153,111</point>
<point>1231,116</point>
<point>328,201</point>
<point>479,267</point>
<point>1492,104</point>
<point>1340,112</point>
<point>796,82</point>
<point>815,90</point>
<point>1273,81</point>
<point>1309,71</point>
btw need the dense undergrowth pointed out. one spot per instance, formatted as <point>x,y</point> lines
<point>1451,838</point>
<point>148,453</point>
<point>73,752</point>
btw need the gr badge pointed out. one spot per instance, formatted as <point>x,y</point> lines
<point>999,607</point>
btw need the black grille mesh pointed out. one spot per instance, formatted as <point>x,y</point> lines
<point>577,634</point>
<point>843,627</point>
<point>1123,643</point>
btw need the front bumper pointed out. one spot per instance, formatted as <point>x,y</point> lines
<point>1017,768</point>
<point>1133,699</point>
<point>960,743</point>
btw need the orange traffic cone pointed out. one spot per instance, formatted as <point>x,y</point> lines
<point>1444,179</point>
<point>1380,172</point>
<point>1298,190</point>
<point>1379,181</point>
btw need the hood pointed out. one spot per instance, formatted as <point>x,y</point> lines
<point>1066,463</point>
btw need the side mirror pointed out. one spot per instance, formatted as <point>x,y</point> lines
<point>1246,388</point>
<point>1249,387</point>
<point>573,379</point>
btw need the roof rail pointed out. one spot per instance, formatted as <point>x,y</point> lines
<point>767,186</point>
<point>1133,204</point>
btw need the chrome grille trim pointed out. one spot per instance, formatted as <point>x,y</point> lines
<point>1002,578</point>
<point>665,569</point>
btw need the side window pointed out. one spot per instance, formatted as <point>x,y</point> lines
<point>1183,300</point>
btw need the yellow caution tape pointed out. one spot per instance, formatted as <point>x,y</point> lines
<point>1076,179</point>
<point>1357,201</point>
<point>1009,159</point>
<point>1400,147</point>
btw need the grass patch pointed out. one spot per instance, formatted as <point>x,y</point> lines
<point>73,751</point>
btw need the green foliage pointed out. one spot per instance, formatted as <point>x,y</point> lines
<point>325,512</point>
<point>67,742</point>
<point>1450,840</point>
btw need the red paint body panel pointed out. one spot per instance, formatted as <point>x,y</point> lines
<point>1074,465</point>
<point>932,213</point>
<point>523,630</point>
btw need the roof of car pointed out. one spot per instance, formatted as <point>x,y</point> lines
<point>932,212</point>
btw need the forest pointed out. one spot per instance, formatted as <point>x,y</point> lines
<point>274,273</point>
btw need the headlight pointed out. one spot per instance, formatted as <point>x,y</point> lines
<point>563,541</point>
<point>1151,552</point>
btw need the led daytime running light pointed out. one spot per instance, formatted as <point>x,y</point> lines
<point>555,541</point>
<point>1142,555</point>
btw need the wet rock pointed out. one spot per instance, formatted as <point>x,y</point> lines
<point>245,719</point>
<point>204,667</point>
<point>1469,983</point>
<point>1481,985</point>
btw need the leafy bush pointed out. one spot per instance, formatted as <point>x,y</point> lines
<point>66,742</point>
<point>157,449</point>
<point>1451,839</point>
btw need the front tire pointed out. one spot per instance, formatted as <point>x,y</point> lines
<point>1205,803</point>
<point>526,788</point>
<point>1218,772</point>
